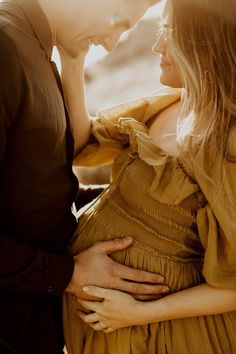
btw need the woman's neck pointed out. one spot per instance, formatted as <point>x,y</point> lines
<point>163,128</point>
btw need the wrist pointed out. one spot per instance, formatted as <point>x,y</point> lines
<point>140,314</point>
<point>150,311</point>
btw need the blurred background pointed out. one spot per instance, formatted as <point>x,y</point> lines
<point>128,72</point>
<point>131,71</point>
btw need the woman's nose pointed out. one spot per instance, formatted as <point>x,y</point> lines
<point>160,45</point>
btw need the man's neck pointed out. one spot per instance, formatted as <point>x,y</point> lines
<point>49,9</point>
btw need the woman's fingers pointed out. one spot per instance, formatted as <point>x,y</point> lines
<point>79,307</point>
<point>89,305</point>
<point>91,318</point>
<point>100,326</point>
<point>142,289</point>
<point>96,291</point>
<point>108,330</point>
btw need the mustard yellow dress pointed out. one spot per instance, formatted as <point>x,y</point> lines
<point>178,231</point>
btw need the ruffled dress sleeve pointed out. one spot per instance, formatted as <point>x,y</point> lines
<point>217,226</point>
<point>107,141</point>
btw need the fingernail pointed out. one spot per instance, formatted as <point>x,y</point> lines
<point>161,280</point>
<point>165,290</point>
<point>128,238</point>
<point>86,289</point>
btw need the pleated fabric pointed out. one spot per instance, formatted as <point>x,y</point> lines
<point>155,199</point>
<point>162,221</point>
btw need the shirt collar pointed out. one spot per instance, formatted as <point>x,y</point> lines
<point>37,24</point>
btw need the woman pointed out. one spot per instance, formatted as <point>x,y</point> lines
<point>174,192</point>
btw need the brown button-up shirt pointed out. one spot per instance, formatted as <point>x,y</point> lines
<point>37,186</point>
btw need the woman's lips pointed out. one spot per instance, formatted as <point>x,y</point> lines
<point>164,62</point>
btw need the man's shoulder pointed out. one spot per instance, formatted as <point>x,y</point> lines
<point>11,69</point>
<point>7,43</point>
<point>9,51</point>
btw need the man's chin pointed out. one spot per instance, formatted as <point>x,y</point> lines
<point>75,50</point>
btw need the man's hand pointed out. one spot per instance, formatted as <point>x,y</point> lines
<point>94,267</point>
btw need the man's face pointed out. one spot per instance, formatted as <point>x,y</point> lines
<point>99,22</point>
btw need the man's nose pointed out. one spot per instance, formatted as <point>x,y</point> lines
<point>111,42</point>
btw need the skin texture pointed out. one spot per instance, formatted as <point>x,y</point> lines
<point>169,73</point>
<point>74,26</point>
<point>117,310</point>
<point>88,265</point>
<point>78,23</point>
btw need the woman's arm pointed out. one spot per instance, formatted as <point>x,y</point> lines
<point>119,310</point>
<point>72,76</point>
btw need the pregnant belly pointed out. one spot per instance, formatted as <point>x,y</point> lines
<point>149,251</point>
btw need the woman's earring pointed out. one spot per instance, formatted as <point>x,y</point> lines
<point>117,21</point>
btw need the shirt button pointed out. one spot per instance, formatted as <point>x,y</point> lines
<point>50,289</point>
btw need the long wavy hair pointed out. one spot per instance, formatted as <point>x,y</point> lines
<point>204,46</point>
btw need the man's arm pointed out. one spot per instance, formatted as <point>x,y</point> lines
<point>22,267</point>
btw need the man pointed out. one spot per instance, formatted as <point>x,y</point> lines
<point>37,185</point>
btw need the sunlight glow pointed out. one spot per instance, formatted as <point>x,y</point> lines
<point>97,52</point>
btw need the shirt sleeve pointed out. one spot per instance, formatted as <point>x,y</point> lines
<point>23,267</point>
<point>217,228</point>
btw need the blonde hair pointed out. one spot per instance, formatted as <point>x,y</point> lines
<point>204,46</point>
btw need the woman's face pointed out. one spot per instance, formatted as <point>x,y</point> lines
<point>169,75</point>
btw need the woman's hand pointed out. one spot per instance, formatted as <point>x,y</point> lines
<point>116,310</point>
<point>119,310</point>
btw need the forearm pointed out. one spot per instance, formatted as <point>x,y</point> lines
<point>201,300</point>
<point>72,76</point>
